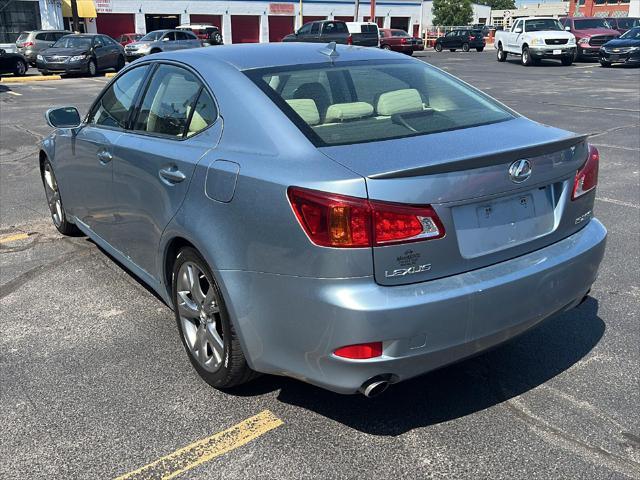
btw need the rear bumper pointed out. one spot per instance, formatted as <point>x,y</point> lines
<point>291,325</point>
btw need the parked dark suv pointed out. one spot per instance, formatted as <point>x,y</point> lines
<point>591,33</point>
<point>326,31</point>
<point>463,39</point>
<point>623,24</point>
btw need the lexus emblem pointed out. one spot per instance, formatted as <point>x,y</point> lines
<point>519,171</point>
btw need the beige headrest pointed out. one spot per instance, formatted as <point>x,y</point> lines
<point>348,111</point>
<point>399,101</point>
<point>307,109</point>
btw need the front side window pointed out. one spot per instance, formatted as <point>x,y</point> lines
<point>168,102</point>
<point>305,29</point>
<point>112,110</point>
<point>315,28</point>
<point>357,102</point>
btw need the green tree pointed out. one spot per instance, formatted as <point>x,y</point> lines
<point>499,4</point>
<point>452,12</point>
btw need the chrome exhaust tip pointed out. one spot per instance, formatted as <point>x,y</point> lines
<point>374,387</point>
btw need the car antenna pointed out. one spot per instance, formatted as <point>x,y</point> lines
<point>330,50</point>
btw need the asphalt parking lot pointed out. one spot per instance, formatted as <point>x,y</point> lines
<point>94,382</point>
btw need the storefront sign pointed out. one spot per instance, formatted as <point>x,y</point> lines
<point>103,6</point>
<point>280,9</point>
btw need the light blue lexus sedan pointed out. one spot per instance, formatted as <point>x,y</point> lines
<point>349,217</point>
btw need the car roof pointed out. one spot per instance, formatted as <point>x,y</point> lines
<point>263,55</point>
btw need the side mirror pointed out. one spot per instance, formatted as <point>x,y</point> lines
<point>64,117</point>
<point>518,30</point>
<point>165,39</point>
<point>567,28</point>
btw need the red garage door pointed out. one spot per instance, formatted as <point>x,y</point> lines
<point>115,24</point>
<point>245,28</point>
<point>280,26</point>
<point>215,20</point>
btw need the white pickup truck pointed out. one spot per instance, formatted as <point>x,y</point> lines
<point>535,38</point>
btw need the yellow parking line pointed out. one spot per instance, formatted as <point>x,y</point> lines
<point>110,74</point>
<point>31,78</point>
<point>206,449</point>
<point>14,238</point>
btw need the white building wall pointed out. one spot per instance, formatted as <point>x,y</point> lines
<point>327,9</point>
<point>634,8</point>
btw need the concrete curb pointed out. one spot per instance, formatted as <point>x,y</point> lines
<point>110,74</point>
<point>38,78</point>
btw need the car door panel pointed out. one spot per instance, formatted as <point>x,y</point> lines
<point>153,170</point>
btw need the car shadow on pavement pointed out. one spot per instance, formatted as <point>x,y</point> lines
<point>458,390</point>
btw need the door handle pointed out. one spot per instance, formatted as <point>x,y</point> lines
<point>104,156</point>
<point>172,175</point>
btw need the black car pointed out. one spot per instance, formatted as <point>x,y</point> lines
<point>13,63</point>
<point>463,39</point>
<point>81,53</point>
<point>624,49</point>
<point>365,34</point>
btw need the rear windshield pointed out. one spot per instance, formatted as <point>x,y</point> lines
<point>71,41</point>
<point>357,102</point>
<point>23,37</point>
<point>590,23</point>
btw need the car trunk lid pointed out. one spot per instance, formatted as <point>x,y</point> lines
<point>488,217</point>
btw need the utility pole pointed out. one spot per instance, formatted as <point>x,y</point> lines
<point>355,13</point>
<point>75,21</point>
<point>301,15</point>
<point>372,14</point>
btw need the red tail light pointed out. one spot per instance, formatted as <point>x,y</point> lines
<point>403,40</point>
<point>361,351</point>
<point>472,38</point>
<point>340,221</point>
<point>349,40</point>
<point>587,177</point>
<point>27,44</point>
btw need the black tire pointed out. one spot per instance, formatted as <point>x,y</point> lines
<point>386,47</point>
<point>452,49</point>
<point>438,47</point>
<point>217,38</point>
<point>120,63</point>
<point>45,73</point>
<point>526,59</point>
<point>233,369</point>
<point>567,61</point>
<point>605,64</point>
<point>465,47</point>
<point>502,56</point>
<point>91,68</point>
<point>20,68</point>
<point>480,49</point>
<point>54,201</point>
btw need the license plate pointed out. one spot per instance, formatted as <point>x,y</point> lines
<point>557,52</point>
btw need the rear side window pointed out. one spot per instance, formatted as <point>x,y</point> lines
<point>204,114</point>
<point>369,29</point>
<point>315,28</point>
<point>355,102</point>
<point>168,102</point>
<point>41,36</point>
<point>112,110</point>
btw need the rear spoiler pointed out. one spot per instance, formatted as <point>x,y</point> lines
<point>486,160</point>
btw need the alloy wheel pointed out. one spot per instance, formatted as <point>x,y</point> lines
<point>53,196</point>
<point>199,312</point>
<point>21,68</point>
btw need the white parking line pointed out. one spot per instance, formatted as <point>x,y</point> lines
<point>618,202</point>
<point>15,93</point>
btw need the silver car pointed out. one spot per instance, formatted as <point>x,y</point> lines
<point>346,216</point>
<point>161,41</point>
<point>30,44</point>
